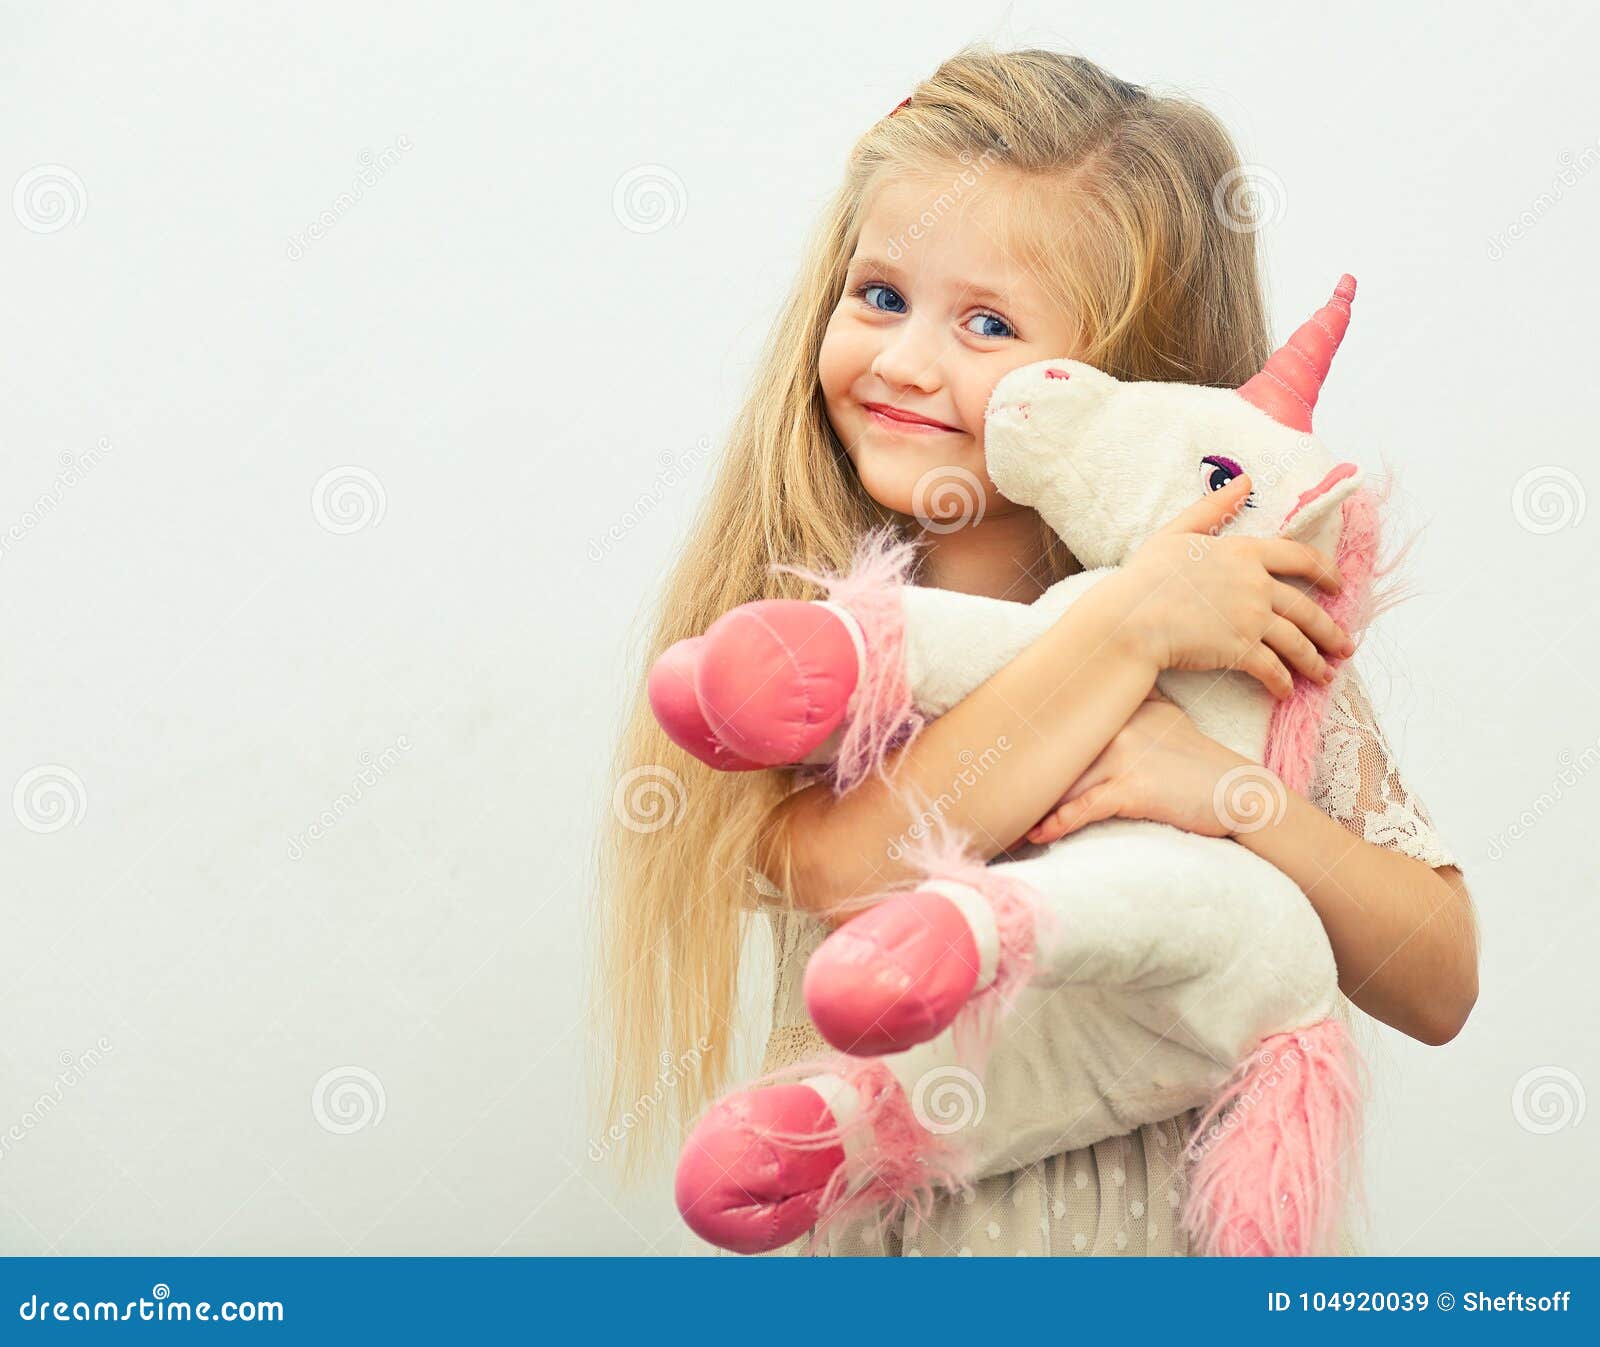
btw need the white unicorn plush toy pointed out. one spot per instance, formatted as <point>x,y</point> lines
<point>1149,969</point>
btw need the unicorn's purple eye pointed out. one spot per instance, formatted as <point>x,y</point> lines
<point>1216,471</point>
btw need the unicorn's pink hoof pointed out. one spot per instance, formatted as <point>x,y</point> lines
<point>677,710</point>
<point>775,676</point>
<point>894,976</point>
<point>739,1189</point>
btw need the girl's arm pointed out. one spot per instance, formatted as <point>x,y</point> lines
<point>1044,717</point>
<point>1402,932</point>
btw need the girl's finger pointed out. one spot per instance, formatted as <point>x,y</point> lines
<point>1304,611</point>
<point>1211,512</point>
<point>1100,803</point>
<point>1296,650</point>
<point>1284,556</point>
<point>1096,774</point>
<point>1047,830</point>
<point>1050,827</point>
<point>1263,664</point>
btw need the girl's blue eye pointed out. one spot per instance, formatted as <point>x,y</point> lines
<point>866,291</point>
<point>894,302</point>
<point>990,318</point>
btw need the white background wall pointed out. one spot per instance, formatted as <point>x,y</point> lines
<point>198,665</point>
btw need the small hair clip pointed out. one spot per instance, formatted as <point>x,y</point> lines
<point>903,103</point>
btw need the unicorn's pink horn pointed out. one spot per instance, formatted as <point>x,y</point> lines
<point>1286,388</point>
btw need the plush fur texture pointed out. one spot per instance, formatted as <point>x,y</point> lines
<point>893,1163</point>
<point>1295,732</point>
<point>945,854</point>
<point>882,715</point>
<point>1274,1159</point>
<point>906,1163</point>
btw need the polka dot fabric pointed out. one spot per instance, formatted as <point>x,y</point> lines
<point>1118,1198</point>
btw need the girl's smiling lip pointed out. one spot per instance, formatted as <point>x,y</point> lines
<point>897,418</point>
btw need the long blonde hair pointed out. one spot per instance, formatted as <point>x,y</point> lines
<point>1118,196</point>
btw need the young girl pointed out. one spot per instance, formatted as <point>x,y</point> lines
<point>1018,206</point>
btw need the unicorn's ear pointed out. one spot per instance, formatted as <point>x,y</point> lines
<point>1309,520</point>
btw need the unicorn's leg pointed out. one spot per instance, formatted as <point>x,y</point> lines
<point>767,1163</point>
<point>1125,905</point>
<point>844,679</point>
<point>737,1188</point>
<point>900,972</point>
<point>677,708</point>
<point>771,681</point>
<point>765,686</point>
<point>1168,972</point>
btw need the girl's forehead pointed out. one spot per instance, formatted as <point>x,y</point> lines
<point>936,228</point>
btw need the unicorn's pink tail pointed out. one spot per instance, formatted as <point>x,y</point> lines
<point>1277,1155</point>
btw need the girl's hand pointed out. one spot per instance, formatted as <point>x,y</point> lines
<point>1159,767</point>
<point>1196,601</point>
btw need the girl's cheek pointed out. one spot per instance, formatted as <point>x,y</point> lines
<point>835,365</point>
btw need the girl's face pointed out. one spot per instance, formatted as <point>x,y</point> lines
<point>934,312</point>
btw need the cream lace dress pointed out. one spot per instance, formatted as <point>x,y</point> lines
<point>1120,1196</point>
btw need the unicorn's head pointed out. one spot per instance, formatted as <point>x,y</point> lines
<point>1107,463</point>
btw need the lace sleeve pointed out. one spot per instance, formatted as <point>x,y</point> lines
<point>1357,782</point>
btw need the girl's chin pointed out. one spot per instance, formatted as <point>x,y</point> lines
<point>931,488</point>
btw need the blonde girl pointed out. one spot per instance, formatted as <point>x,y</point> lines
<point>1018,206</point>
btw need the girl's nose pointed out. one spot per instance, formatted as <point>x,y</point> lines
<point>910,358</point>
